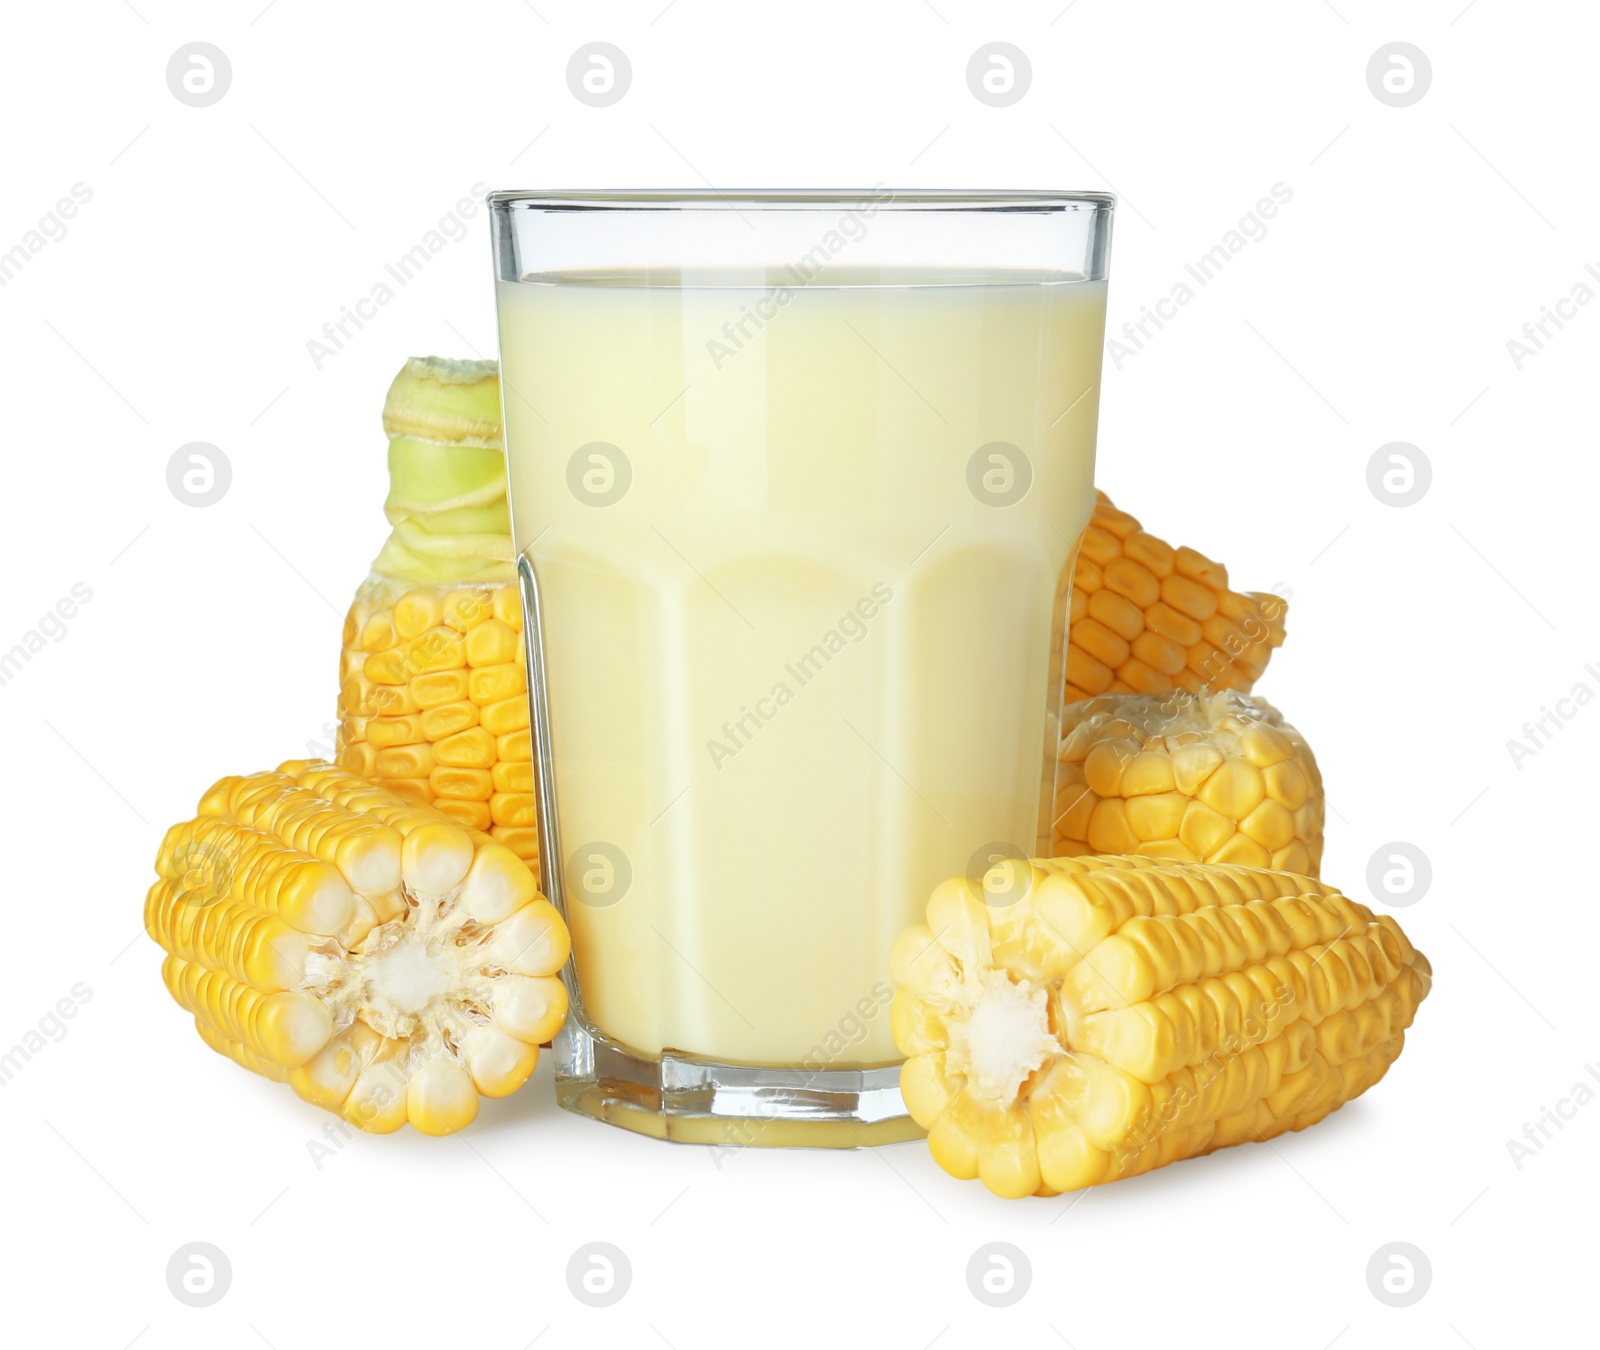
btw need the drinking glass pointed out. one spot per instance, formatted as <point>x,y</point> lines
<point>796,481</point>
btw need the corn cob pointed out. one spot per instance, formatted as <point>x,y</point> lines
<point>1145,617</point>
<point>1102,1016</point>
<point>386,963</point>
<point>433,691</point>
<point>1192,777</point>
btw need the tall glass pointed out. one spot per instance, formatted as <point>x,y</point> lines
<point>795,484</point>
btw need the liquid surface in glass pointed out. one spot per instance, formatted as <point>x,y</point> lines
<point>798,548</point>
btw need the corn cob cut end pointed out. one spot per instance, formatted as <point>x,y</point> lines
<point>433,985</point>
<point>1118,1014</point>
<point>1215,777</point>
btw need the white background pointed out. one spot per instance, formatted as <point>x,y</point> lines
<point>217,243</point>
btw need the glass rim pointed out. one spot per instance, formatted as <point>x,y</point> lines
<point>884,199</point>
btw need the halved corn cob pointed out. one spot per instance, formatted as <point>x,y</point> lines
<point>1106,1015</point>
<point>385,962</point>
<point>1192,777</point>
<point>432,689</point>
<point>1144,617</point>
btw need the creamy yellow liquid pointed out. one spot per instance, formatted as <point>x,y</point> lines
<point>799,671</point>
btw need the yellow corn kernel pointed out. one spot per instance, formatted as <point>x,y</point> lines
<point>439,648</point>
<point>472,785</point>
<point>1146,617</point>
<point>466,608</point>
<point>493,683</point>
<point>509,714</point>
<point>378,634</point>
<point>507,606</point>
<point>492,644</point>
<point>514,747</point>
<point>473,748</point>
<point>449,718</point>
<point>359,697</point>
<point>472,814</point>
<point>405,761</point>
<point>1157,1010</point>
<point>1219,777</point>
<point>385,668</point>
<point>1085,675</point>
<point>512,808</point>
<point>417,611</point>
<point>414,790</point>
<point>443,686</point>
<point>383,732</point>
<point>1100,642</point>
<point>1109,831</point>
<point>310,898</point>
<point>362,759</point>
<point>513,776</point>
<point>523,840</point>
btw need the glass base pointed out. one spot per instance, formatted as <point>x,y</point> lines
<point>698,1101</point>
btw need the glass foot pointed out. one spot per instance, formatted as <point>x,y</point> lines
<point>698,1101</point>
